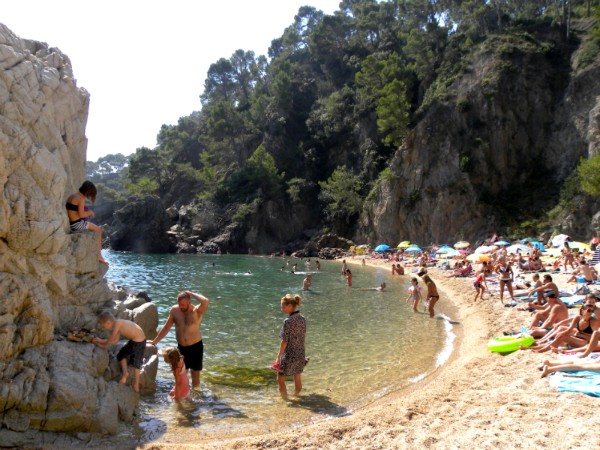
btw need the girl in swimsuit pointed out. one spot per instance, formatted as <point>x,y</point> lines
<point>480,285</point>
<point>504,270</point>
<point>78,213</point>
<point>414,293</point>
<point>182,383</point>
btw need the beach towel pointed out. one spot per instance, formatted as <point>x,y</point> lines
<point>596,257</point>
<point>584,382</point>
<point>573,300</point>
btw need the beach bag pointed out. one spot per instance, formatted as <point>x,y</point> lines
<point>582,290</point>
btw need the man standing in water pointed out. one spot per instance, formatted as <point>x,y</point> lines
<point>187,319</point>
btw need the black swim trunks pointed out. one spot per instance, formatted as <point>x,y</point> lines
<point>134,352</point>
<point>192,355</point>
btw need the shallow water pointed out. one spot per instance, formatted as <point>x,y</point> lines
<point>361,342</point>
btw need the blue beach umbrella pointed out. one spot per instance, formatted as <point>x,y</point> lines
<point>413,249</point>
<point>501,243</point>
<point>444,249</point>
<point>538,245</point>
<point>381,248</point>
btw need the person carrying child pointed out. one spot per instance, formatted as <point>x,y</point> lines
<point>132,353</point>
<point>291,356</point>
<point>182,383</point>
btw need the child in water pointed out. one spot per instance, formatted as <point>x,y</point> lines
<point>414,292</point>
<point>291,356</point>
<point>348,277</point>
<point>182,384</point>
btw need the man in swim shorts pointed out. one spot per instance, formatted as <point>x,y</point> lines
<point>187,319</point>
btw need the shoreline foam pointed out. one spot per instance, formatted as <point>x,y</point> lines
<point>475,400</point>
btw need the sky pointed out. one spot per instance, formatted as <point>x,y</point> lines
<point>144,62</point>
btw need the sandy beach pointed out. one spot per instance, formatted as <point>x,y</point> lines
<point>478,399</point>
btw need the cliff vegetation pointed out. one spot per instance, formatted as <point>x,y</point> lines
<point>392,120</point>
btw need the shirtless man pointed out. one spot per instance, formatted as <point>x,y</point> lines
<point>587,272</point>
<point>547,284</point>
<point>187,319</point>
<point>553,313</point>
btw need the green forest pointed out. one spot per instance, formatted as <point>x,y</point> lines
<point>311,127</point>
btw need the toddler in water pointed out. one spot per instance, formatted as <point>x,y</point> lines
<point>182,384</point>
<point>414,293</point>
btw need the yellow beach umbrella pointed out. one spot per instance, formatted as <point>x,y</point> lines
<point>404,244</point>
<point>478,257</point>
<point>582,246</point>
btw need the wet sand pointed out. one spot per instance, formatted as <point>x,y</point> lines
<point>478,399</point>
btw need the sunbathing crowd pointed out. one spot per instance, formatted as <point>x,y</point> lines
<point>566,322</point>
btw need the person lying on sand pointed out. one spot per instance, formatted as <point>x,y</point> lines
<point>549,367</point>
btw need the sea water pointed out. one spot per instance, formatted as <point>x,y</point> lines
<point>362,343</point>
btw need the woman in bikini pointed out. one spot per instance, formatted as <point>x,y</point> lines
<point>577,334</point>
<point>78,213</point>
<point>432,293</point>
<point>567,257</point>
<point>505,278</point>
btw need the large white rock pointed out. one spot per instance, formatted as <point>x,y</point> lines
<point>50,279</point>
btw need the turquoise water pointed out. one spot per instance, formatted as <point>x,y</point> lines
<point>361,342</point>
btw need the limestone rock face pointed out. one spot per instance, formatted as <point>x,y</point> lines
<point>50,279</point>
<point>513,124</point>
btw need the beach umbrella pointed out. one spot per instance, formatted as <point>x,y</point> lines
<point>501,243</point>
<point>582,246</point>
<point>444,249</point>
<point>403,244</point>
<point>413,249</point>
<point>558,241</point>
<point>462,244</point>
<point>363,246</point>
<point>478,257</point>
<point>451,254</point>
<point>484,249</point>
<point>381,248</point>
<point>528,239</point>
<point>518,248</point>
<point>538,245</point>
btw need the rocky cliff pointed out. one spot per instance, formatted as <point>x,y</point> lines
<point>511,128</point>
<point>49,279</point>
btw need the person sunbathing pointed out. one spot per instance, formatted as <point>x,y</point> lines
<point>547,284</point>
<point>549,367</point>
<point>555,312</point>
<point>577,334</point>
<point>585,271</point>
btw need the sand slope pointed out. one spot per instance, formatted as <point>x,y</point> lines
<point>477,400</point>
